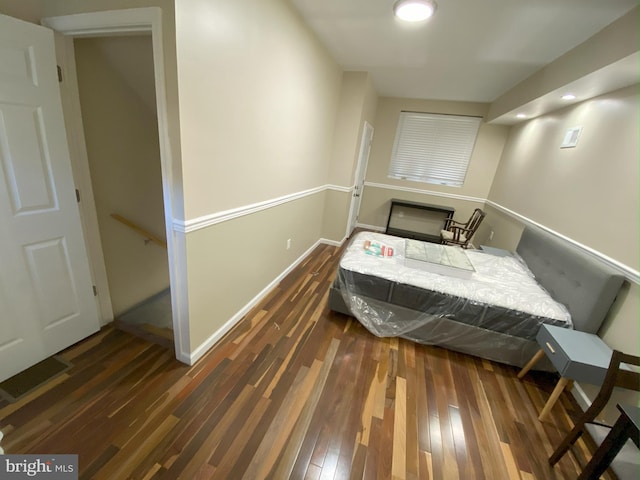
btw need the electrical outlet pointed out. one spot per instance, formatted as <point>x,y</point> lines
<point>288,244</point>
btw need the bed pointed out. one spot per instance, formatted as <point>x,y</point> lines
<point>493,311</point>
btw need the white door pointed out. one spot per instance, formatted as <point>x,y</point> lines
<point>361,170</point>
<point>46,295</point>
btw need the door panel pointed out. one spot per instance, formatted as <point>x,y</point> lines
<point>18,339</point>
<point>50,272</point>
<point>46,293</point>
<point>22,153</point>
<point>16,64</point>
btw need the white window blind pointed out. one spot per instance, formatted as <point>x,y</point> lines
<point>433,148</point>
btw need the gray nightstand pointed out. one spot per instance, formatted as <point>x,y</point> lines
<point>578,356</point>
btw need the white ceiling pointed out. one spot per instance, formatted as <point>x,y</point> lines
<point>470,50</point>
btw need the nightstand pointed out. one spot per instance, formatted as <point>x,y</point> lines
<point>578,356</point>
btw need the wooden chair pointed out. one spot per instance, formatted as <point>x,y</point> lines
<point>458,233</point>
<point>625,464</point>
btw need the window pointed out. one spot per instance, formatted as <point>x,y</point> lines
<point>433,148</point>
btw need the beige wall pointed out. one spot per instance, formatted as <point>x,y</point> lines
<point>336,215</point>
<point>588,193</point>
<point>28,10</point>
<point>482,166</point>
<point>370,107</point>
<point>115,77</point>
<point>358,101</point>
<point>232,262</point>
<point>258,103</point>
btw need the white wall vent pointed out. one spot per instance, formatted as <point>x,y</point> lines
<point>570,139</point>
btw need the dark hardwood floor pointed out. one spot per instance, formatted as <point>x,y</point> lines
<point>293,391</point>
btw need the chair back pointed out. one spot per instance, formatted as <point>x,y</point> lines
<point>622,372</point>
<point>619,374</point>
<point>461,233</point>
<point>474,222</point>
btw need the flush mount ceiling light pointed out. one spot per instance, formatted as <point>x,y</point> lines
<point>568,96</point>
<point>521,115</point>
<point>414,10</point>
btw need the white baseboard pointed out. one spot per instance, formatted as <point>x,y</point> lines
<point>334,243</point>
<point>375,228</point>
<point>203,348</point>
<point>580,396</point>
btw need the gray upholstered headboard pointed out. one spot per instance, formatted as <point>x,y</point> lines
<point>586,286</point>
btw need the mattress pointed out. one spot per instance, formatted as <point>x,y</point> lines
<point>392,295</point>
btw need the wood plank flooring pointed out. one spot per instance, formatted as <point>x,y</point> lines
<point>293,391</point>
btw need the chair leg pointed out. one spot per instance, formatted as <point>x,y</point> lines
<point>577,430</point>
<point>565,444</point>
<point>621,431</point>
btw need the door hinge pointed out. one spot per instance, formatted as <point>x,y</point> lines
<point>78,195</point>
<point>59,73</point>
<point>95,291</point>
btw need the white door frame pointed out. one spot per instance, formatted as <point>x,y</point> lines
<point>361,170</point>
<point>82,176</point>
<point>132,21</point>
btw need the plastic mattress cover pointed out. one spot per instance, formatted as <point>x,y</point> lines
<point>499,294</point>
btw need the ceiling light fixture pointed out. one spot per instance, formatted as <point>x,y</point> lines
<point>414,10</point>
<point>568,96</point>
<point>521,115</point>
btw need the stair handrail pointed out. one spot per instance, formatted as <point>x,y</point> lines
<point>149,237</point>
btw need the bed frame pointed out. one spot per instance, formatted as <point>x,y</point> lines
<point>585,285</point>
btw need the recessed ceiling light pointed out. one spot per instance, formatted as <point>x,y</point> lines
<point>521,115</point>
<point>414,10</point>
<point>568,96</point>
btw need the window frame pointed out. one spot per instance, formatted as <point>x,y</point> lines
<point>433,148</point>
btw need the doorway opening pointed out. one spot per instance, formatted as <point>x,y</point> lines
<point>115,78</point>
<point>129,22</point>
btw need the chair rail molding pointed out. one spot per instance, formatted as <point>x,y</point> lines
<point>192,225</point>
<point>398,188</point>
<point>629,273</point>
